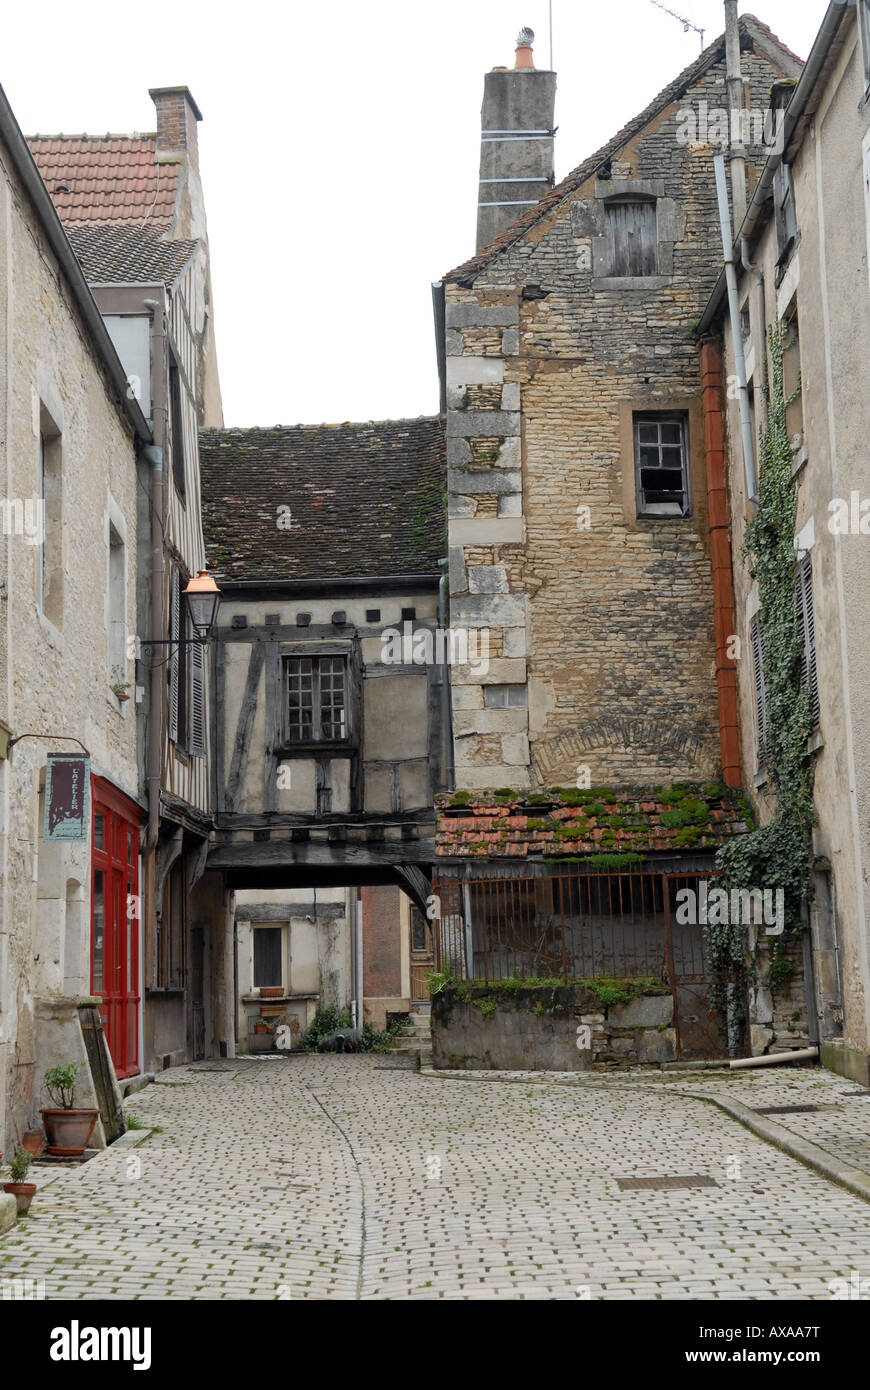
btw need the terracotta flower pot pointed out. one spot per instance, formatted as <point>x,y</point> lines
<point>68,1131</point>
<point>271,991</point>
<point>23,1192</point>
<point>33,1142</point>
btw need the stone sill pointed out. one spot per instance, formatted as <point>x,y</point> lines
<point>614,284</point>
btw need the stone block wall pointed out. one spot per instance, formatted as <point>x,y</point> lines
<point>505,1027</point>
<point>605,618</point>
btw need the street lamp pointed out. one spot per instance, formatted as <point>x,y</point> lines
<point>203,601</point>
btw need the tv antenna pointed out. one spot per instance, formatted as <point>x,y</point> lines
<point>686,23</point>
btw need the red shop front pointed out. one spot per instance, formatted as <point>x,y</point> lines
<point>115,920</point>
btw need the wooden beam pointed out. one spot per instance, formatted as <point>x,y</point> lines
<point>239,763</point>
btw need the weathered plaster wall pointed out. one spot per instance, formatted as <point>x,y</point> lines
<point>57,675</point>
<point>827,279</point>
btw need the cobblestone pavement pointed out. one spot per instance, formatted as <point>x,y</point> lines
<point>354,1177</point>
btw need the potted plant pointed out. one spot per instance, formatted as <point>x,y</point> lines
<point>120,688</point>
<point>262,1025</point>
<point>22,1191</point>
<point>68,1129</point>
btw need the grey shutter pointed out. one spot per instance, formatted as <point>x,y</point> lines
<point>197,700</point>
<point>631,243</point>
<point>757,638</point>
<point>174,663</point>
<point>803,587</point>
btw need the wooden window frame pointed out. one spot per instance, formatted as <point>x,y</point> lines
<point>317,738</point>
<point>805,606</point>
<point>618,256</point>
<point>176,412</point>
<point>785,212</point>
<point>645,510</point>
<point>756,642</point>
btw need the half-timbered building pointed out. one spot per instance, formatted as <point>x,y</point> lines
<point>329,702</point>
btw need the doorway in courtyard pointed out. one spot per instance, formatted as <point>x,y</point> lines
<point>115,921</point>
<point>616,927</point>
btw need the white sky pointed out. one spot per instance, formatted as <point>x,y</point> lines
<point>339,153</point>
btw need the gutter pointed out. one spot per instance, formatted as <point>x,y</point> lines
<point>25,167</point>
<point>792,136</point>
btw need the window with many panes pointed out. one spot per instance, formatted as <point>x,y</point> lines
<point>316,709</point>
<point>661,464</point>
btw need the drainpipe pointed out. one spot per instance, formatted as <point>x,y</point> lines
<point>737,103</point>
<point>720,559</point>
<point>775,1059</point>
<point>154,456</point>
<point>446,718</point>
<point>736,335</point>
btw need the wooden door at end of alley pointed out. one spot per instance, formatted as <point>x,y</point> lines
<point>422,956</point>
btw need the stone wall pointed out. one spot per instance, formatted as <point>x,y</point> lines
<point>503,1027</point>
<point>53,383</point>
<point>605,618</point>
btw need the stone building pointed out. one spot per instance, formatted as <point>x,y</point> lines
<point>588,539</point>
<point>133,209</point>
<point>71,465</point>
<point>329,708</point>
<point>802,257</point>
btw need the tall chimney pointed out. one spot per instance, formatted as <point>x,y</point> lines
<point>177,115</point>
<point>516,142</point>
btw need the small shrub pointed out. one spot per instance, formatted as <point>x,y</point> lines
<point>20,1164</point>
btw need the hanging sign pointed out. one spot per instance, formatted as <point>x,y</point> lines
<point>67,799</point>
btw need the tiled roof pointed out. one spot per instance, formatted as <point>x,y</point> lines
<point>561,822</point>
<point>465,274</point>
<point>107,179</point>
<point>363,499</point>
<point>127,255</point>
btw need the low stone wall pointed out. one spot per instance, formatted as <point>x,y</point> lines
<point>508,1027</point>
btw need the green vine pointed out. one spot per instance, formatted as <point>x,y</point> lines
<point>777,855</point>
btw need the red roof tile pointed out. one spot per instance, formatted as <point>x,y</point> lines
<point>108,179</point>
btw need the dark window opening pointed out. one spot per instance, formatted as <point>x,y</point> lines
<point>178,472</point>
<point>267,957</point>
<point>661,465</point>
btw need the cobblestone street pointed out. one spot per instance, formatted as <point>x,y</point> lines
<point>352,1177</point>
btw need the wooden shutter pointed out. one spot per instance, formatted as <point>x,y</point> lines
<point>803,589</point>
<point>174,654</point>
<point>197,700</point>
<point>757,639</point>
<point>631,248</point>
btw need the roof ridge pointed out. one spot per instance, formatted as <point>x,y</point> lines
<point>321,425</point>
<point>466,272</point>
<point>108,135</point>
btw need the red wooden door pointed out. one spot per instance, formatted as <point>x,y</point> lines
<point>115,922</point>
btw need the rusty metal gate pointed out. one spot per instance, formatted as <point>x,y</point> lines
<point>585,926</point>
